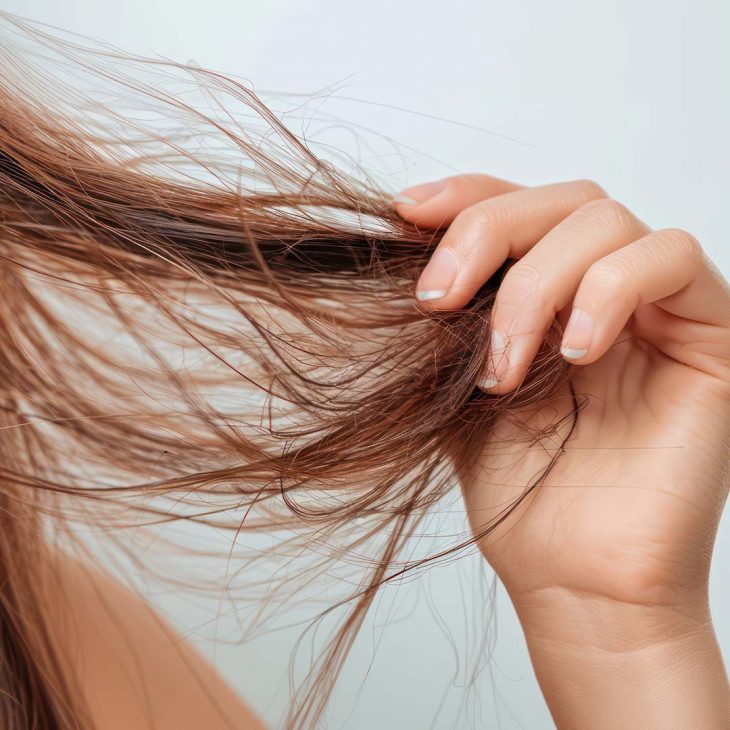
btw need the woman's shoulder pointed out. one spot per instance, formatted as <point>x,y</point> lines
<point>132,669</point>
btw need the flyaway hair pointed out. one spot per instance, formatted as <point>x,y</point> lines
<point>204,320</point>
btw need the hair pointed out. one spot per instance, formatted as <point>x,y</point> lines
<point>175,283</point>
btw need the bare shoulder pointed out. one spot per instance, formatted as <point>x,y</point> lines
<point>133,670</point>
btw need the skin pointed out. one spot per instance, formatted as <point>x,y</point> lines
<point>607,562</point>
<point>133,669</point>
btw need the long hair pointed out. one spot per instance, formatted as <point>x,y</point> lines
<point>155,255</point>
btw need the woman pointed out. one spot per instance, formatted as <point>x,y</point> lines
<point>570,365</point>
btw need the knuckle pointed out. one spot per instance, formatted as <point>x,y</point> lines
<point>608,275</point>
<point>682,242</point>
<point>483,215</point>
<point>608,212</point>
<point>523,283</point>
<point>591,189</point>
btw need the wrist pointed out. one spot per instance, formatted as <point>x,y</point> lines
<point>602,664</point>
<point>557,614</point>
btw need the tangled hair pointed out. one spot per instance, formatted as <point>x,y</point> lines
<point>193,280</point>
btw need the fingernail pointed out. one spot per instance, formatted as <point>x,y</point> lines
<point>577,336</point>
<point>419,193</point>
<point>438,276</point>
<point>486,383</point>
<point>496,362</point>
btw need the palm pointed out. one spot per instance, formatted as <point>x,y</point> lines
<point>628,511</point>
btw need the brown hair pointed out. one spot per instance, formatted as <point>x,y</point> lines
<point>147,261</point>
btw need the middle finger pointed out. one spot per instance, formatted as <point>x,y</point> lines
<point>545,281</point>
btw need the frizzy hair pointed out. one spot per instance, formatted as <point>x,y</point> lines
<point>245,263</point>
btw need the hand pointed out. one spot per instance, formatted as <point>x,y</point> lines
<point>622,529</point>
<point>629,511</point>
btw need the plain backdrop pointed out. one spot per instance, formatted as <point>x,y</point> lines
<point>631,94</point>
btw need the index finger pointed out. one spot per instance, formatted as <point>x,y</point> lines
<point>436,204</point>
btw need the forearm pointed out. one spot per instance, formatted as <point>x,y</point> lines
<point>608,666</point>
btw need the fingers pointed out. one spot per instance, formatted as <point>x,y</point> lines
<point>572,245</point>
<point>436,204</point>
<point>667,268</point>
<point>483,235</point>
<point>545,280</point>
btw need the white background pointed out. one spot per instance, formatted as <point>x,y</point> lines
<point>631,94</point>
